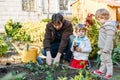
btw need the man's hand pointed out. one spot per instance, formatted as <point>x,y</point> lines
<point>48,58</point>
<point>78,49</point>
<point>57,58</point>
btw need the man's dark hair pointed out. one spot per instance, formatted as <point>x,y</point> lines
<point>57,18</point>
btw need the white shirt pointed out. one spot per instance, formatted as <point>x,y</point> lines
<point>85,46</point>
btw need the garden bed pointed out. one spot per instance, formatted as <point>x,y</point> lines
<point>11,62</point>
<point>41,74</point>
<point>34,71</point>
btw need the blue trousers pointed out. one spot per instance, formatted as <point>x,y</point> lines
<point>55,46</point>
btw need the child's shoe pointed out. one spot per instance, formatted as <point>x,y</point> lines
<point>108,76</point>
<point>98,72</point>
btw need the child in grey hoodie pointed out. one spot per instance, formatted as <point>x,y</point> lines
<point>105,42</point>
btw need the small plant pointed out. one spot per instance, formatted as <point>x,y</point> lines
<point>49,75</point>
<point>53,68</point>
<point>13,76</point>
<point>32,66</point>
<point>3,46</point>
<point>83,75</point>
<point>116,56</point>
<point>44,67</point>
<point>62,78</point>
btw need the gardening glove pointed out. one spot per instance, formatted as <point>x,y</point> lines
<point>48,58</point>
<point>57,58</point>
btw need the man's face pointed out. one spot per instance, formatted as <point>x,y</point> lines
<point>58,26</point>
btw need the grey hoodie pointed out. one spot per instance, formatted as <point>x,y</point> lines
<point>106,35</point>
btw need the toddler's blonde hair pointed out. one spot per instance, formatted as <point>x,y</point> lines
<point>80,27</point>
<point>102,13</point>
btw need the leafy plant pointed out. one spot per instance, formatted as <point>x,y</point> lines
<point>117,39</point>
<point>32,67</point>
<point>62,78</point>
<point>35,30</point>
<point>46,20</point>
<point>92,32</point>
<point>83,75</point>
<point>74,20</point>
<point>44,67</point>
<point>11,76</point>
<point>116,50</point>
<point>116,56</point>
<point>12,30</point>
<point>49,75</point>
<point>3,46</point>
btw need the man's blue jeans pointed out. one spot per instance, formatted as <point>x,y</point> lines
<point>54,50</point>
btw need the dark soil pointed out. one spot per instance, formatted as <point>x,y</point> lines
<point>11,62</point>
<point>40,74</point>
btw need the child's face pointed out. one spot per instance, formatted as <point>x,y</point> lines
<point>81,33</point>
<point>102,20</point>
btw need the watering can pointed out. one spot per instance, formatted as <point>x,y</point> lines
<point>29,53</point>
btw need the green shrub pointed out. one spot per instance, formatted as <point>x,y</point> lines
<point>92,27</point>
<point>74,20</point>
<point>12,30</point>
<point>13,76</point>
<point>3,46</point>
<point>46,20</point>
<point>116,50</point>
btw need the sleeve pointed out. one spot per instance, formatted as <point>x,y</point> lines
<point>87,48</point>
<point>46,41</point>
<point>110,32</point>
<point>65,37</point>
<point>72,48</point>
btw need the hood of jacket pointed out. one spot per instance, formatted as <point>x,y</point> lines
<point>111,23</point>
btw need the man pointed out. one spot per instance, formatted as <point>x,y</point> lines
<point>56,40</point>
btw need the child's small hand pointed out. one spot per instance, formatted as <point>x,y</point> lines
<point>78,49</point>
<point>74,43</point>
<point>74,46</point>
<point>100,52</point>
